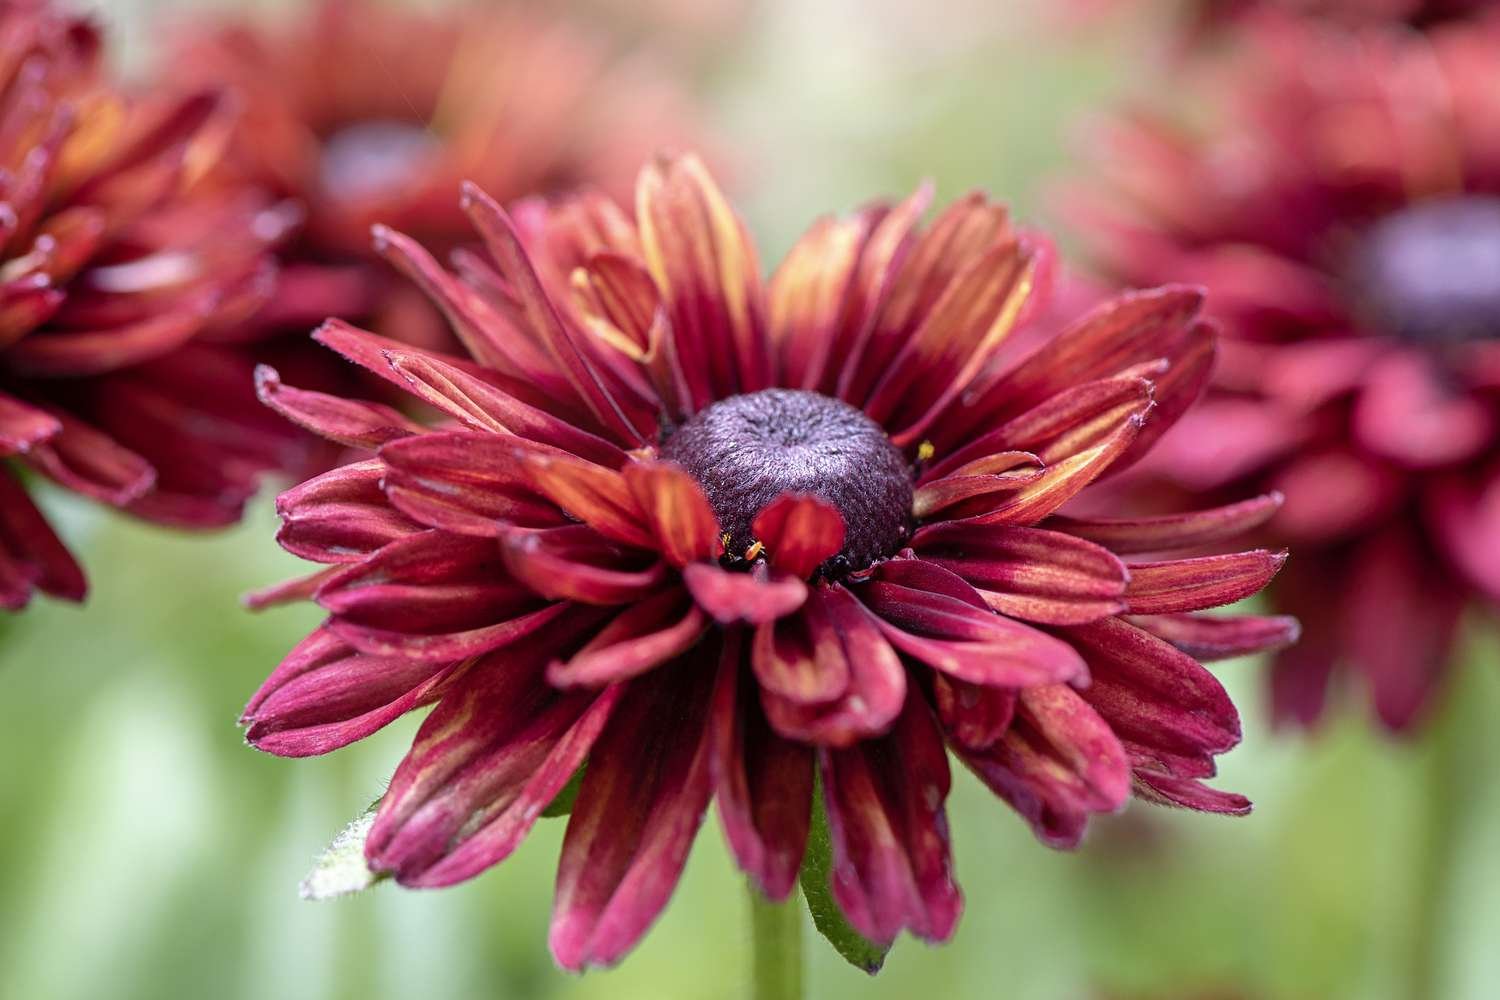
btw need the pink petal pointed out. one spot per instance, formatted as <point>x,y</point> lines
<point>755,597</point>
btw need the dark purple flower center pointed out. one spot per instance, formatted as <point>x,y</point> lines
<point>1431,273</point>
<point>747,450</point>
<point>376,157</point>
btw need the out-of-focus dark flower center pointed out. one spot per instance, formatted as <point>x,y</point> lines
<point>373,158</point>
<point>747,450</point>
<point>1431,273</point>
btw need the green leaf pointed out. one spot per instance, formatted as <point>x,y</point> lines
<point>562,803</point>
<point>341,870</point>
<point>817,869</point>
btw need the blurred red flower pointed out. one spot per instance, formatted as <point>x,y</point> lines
<point>115,273</point>
<point>1343,204</point>
<point>716,537</point>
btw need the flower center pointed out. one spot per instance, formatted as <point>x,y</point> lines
<point>747,450</point>
<point>1431,273</point>
<point>371,158</point>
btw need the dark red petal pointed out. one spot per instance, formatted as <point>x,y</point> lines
<point>1204,582</point>
<point>497,749</point>
<point>891,863</point>
<point>1153,694</point>
<point>801,658</point>
<point>341,516</point>
<point>1128,536</point>
<point>754,597</point>
<point>763,783</point>
<point>90,462</point>
<point>1206,637</point>
<point>643,636</point>
<point>300,588</point>
<point>973,716</point>
<point>799,532</point>
<point>877,680</point>
<point>576,563</point>
<point>1058,763</point>
<point>31,554</point>
<point>465,482</point>
<point>326,695</point>
<point>1188,793</point>
<point>642,801</point>
<point>597,496</point>
<point>1030,573</point>
<point>914,606</point>
<point>348,422</point>
<point>23,425</point>
<point>675,511</point>
<point>977,486</point>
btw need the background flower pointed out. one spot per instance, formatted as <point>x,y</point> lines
<point>1345,207</point>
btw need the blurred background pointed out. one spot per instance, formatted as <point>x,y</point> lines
<point>147,852</point>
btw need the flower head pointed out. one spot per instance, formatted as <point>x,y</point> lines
<point>1345,209</point>
<point>114,274</point>
<point>714,537</point>
<point>368,111</point>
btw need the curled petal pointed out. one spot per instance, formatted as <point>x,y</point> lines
<point>464,482</point>
<point>1206,637</point>
<point>754,597</point>
<point>799,532</point>
<point>639,638</point>
<point>891,863</point>
<point>348,422</point>
<point>1204,582</point>
<point>576,563</point>
<point>1188,793</point>
<point>1057,764</point>
<point>801,658</point>
<point>642,800</point>
<point>1128,536</point>
<point>326,695</point>
<point>1031,573</point>
<point>763,783</point>
<point>341,516</point>
<point>90,462</point>
<point>675,512</point>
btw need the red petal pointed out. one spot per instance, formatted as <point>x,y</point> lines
<point>348,422</point>
<point>463,482</point>
<point>799,532</point>
<point>801,658</point>
<point>1030,573</point>
<point>1205,637</point>
<point>763,783</point>
<point>31,553</point>
<point>1204,582</point>
<point>1192,530</point>
<point>755,597</point>
<point>22,425</point>
<point>643,636</point>
<point>675,512</point>
<point>576,563</point>
<point>326,695</point>
<point>92,463</point>
<point>973,716</point>
<point>642,801</point>
<point>891,863</point>
<point>595,495</point>
<point>341,516</point>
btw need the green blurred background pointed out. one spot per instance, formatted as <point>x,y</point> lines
<point>147,853</point>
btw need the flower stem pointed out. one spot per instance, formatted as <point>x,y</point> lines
<point>1437,864</point>
<point>776,929</point>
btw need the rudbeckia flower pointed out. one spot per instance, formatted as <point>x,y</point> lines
<point>728,540</point>
<point>1344,207</point>
<point>113,275</point>
<point>366,111</point>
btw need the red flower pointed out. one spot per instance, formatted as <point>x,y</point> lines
<point>366,111</point>
<point>1345,209</point>
<point>113,274</point>
<point>714,537</point>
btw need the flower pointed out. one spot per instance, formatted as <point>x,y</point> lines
<point>714,537</point>
<point>365,111</point>
<point>113,275</point>
<point>1344,206</point>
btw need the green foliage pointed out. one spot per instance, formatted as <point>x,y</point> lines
<point>817,870</point>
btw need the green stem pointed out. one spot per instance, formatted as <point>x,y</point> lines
<point>1442,838</point>
<point>776,929</point>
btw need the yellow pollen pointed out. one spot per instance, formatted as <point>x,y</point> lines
<point>724,541</point>
<point>925,451</point>
<point>755,549</point>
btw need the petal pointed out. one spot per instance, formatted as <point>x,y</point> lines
<point>341,516</point>
<point>1189,793</point>
<point>973,716</point>
<point>595,495</point>
<point>755,597</point>
<point>23,425</point>
<point>1206,637</point>
<point>976,486</point>
<point>326,695</point>
<point>809,293</point>
<point>640,806</point>
<point>90,462</point>
<point>351,423</point>
<point>643,636</point>
<point>1031,573</point>
<point>913,605</point>
<point>497,749</point>
<point>801,658</point>
<point>464,482</point>
<point>1204,582</point>
<point>799,533</point>
<point>1409,413</point>
<point>1195,529</point>
<point>675,512</point>
<point>1057,764</point>
<point>891,862</point>
<point>31,554</point>
<point>877,681</point>
<point>762,782</point>
<point>576,563</point>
